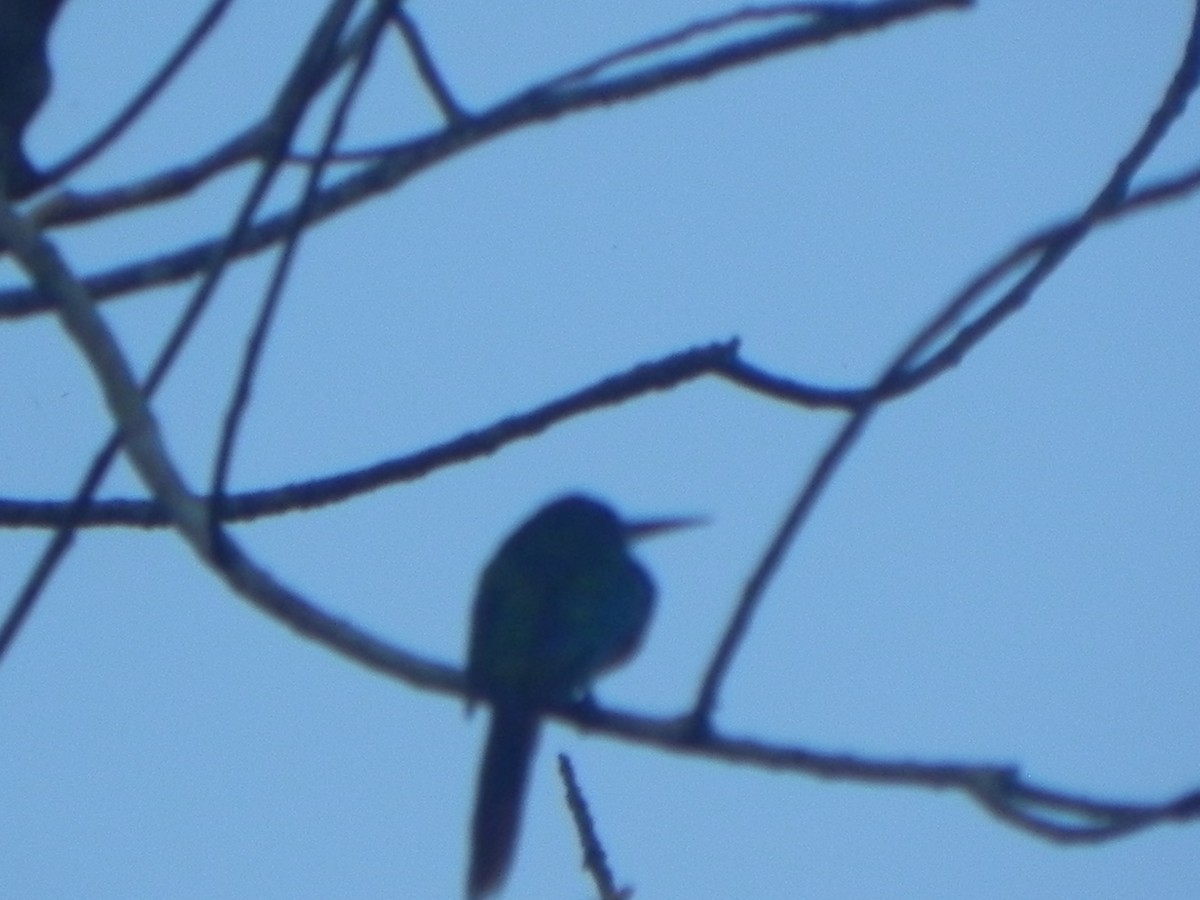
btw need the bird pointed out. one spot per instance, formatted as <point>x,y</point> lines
<point>562,600</point>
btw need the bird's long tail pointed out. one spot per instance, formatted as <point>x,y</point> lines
<point>503,773</point>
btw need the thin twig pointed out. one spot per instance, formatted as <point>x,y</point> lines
<point>252,355</point>
<point>1106,202</point>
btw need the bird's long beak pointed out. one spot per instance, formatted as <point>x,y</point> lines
<point>645,528</point>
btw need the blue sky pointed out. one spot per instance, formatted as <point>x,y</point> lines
<point>1003,571</point>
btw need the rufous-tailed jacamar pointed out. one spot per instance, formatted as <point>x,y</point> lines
<point>562,600</point>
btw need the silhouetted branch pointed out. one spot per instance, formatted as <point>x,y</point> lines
<point>240,398</point>
<point>658,375</point>
<point>637,71</point>
<point>153,87</point>
<point>126,399</point>
<point>542,103</point>
<point>1059,816</point>
<point>425,65</point>
<point>1108,202</point>
<point>595,860</point>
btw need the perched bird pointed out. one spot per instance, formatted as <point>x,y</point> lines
<point>562,600</point>
<point>24,84</point>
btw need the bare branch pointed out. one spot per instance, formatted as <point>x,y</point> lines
<point>1107,202</point>
<point>542,103</point>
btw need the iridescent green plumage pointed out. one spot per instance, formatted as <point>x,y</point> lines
<point>561,601</point>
